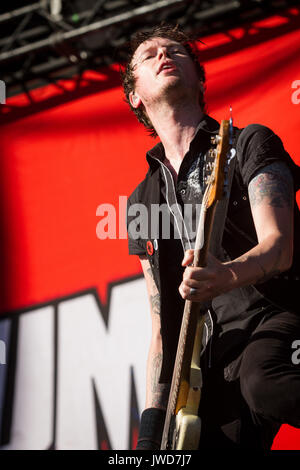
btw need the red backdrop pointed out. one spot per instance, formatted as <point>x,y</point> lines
<point>74,147</point>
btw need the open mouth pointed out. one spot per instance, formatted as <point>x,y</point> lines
<point>167,68</point>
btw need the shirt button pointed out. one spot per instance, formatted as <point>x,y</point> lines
<point>245,198</point>
<point>234,203</point>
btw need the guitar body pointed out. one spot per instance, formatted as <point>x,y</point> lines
<point>188,429</point>
<point>187,422</point>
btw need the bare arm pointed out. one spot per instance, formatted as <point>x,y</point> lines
<point>156,393</point>
<point>271,198</point>
<point>272,202</point>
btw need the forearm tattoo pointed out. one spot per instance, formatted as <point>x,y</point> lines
<point>150,273</point>
<point>159,392</point>
<point>154,295</point>
<point>155,303</point>
<point>273,183</point>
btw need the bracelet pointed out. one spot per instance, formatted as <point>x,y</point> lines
<point>151,429</point>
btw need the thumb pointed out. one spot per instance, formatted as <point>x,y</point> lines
<point>188,258</point>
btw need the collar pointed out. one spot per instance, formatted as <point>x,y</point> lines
<point>205,129</point>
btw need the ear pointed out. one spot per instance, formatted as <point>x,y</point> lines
<point>134,99</point>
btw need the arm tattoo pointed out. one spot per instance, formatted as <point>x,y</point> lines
<point>150,273</point>
<point>155,303</point>
<point>160,392</point>
<point>273,182</point>
<point>154,296</point>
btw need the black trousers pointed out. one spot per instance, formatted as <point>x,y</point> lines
<point>246,397</point>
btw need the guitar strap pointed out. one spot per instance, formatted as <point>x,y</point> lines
<point>215,247</point>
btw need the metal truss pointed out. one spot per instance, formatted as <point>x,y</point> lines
<point>50,39</point>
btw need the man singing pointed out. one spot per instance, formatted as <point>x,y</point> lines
<point>250,384</point>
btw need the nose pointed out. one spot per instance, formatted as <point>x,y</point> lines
<point>163,52</point>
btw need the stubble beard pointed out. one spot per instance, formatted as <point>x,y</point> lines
<point>174,93</point>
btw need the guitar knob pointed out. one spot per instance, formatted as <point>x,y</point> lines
<point>215,139</point>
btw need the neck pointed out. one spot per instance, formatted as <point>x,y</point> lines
<point>176,127</point>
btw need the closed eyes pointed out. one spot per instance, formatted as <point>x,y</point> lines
<point>152,54</point>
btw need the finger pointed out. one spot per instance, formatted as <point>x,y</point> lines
<point>188,258</point>
<point>200,274</point>
<point>185,291</point>
<point>187,294</point>
<point>192,283</point>
<point>201,287</point>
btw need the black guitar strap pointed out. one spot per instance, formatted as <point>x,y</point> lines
<point>222,205</point>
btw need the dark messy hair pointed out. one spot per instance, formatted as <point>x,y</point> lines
<point>127,74</point>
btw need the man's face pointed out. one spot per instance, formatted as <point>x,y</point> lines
<point>161,66</point>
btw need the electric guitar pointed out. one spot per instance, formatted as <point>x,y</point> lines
<point>182,424</point>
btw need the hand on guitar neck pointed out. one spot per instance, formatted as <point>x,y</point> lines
<point>206,282</point>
